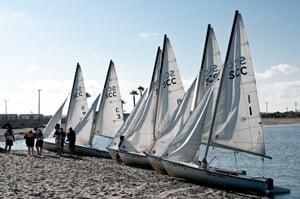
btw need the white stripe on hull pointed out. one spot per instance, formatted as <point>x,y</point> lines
<point>135,159</point>
<point>210,177</point>
<point>79,150</point>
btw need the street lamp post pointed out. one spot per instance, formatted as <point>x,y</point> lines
<point>39,103</point>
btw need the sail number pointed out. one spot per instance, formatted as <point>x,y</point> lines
<point>111,91</point>
<point>211,73</point>
<point>78,92</point>
<point>118,113</point>
<point>168,78</point>
<point>237,68</point>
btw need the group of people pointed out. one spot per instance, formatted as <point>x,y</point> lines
<point>36,138</point>
<point>30,138</point>
<point>60,137</point>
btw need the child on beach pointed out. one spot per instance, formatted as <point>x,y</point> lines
<point>39,140</point>
<point>72,139</point>
<point>29,138</point>
<point>9,139</point>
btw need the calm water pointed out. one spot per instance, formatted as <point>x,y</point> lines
<point>282,144</point>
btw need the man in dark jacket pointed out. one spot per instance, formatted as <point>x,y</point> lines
<point>72,140</point>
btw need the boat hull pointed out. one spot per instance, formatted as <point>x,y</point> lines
<point>216,178</point>
<point>156,164</point>
<point>135,159</point>
<point>114,154</point>
<point>79,150</point>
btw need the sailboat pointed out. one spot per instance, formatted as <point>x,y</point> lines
<point>209,73</point>
<point>113,148</point>
<point>159,107</point>
<point>77,108</point>
<point>235,125</point>
<point>109,117</point>
<point>55,119</point>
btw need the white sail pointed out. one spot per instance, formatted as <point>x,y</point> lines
<point>84,128</point>
<point>78,102</point>
<point>174,124</point>
<point>110,112</point>
<point>171,89</point>
<point>185,146</point>
<point>140,137</point>
<point>210,66</point>
<point>237,123</point>
<point>55,119</point>
<point>129,123</point>
<point>156,71</point>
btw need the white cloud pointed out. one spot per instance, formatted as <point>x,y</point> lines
<point>277,72</point>
<point>148,34</point>
<point>279,86</point>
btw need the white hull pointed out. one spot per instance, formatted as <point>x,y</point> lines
<point>79,150</point>
<point>217,178</point>
<point>156,164</point>
<point>134,159</point>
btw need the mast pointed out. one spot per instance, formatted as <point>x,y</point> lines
<point>204,161</point>
<point>202,62</point>
<point>159,82</point>
<point>76,73</point>
<point>155,66</point>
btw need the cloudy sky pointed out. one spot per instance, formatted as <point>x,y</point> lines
<point>41,42</point>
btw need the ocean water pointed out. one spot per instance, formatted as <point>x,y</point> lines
<point>282,144</point>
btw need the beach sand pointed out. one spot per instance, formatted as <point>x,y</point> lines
<point>50,176</point>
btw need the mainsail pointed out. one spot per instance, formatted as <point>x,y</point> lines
<point>185,146</point>
<point>175,123</point>
<point>110,113</point>
<point>171,89</point>
<point>237,124</point>
<point>159,106</point>
<point>55,119</point>
<point>129,123</point>
<point>78,101</point>
<point>84,127</point>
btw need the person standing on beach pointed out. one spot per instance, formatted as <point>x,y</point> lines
<point>60,136</point>
<point>29,138</point>
<point>9,138</point>
<point>39,140</point>
<point>72,140</point>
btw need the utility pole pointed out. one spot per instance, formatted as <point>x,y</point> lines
<point>267,104</point>
<point>296,107</point>
<point>39,103</point>
<point>5,107</point>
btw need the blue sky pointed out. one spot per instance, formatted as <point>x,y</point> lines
<point>41,41</point>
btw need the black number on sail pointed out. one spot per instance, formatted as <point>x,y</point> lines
<point>237,68</point>
<point>168,78</point>
<point>110,92</point>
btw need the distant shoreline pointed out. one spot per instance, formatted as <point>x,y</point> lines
<point>278,121</point>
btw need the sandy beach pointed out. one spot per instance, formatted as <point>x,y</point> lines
<point>50,176</point>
